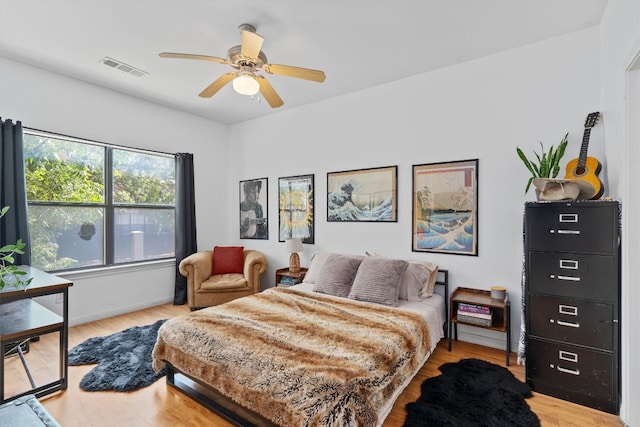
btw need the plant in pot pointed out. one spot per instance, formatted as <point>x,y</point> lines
<point>548,162</point>
<point>10,274</point>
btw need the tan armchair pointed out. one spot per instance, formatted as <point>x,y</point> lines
<point>204,290</point>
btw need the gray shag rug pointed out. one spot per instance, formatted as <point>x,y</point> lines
<point>472,393</point>
<point>124,359</point>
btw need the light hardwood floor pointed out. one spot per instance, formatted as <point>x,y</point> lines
<point>160,405</point>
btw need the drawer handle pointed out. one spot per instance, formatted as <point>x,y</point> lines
<point>569,232</point>
<point>569,264</point>
<point>569,371</point>
<point>568,356</point>
<point>567,278</point>
<point>571,310</point>
<point>569,324</point>
<point>568,217</point>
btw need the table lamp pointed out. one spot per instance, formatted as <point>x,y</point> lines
<point>293,246</point>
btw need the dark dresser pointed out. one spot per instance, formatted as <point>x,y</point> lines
<point>572,301</point>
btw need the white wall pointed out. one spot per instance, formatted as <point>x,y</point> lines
<point>481,109</point>
<point>620,30</point>
<point>51,102</point>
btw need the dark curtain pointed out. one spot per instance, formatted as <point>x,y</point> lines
<point>185,220</point>
<point>13,189</point>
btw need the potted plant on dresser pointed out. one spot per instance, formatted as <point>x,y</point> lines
<point>548,163</point>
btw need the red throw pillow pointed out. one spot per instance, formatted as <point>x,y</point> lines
<point>228,259</point>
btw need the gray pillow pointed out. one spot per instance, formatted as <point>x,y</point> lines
<point>337,274</point>
<point>378,280</point>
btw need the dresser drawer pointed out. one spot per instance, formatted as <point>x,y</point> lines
<point>574,369</point>
<point>576,275</point>
<point>572,227</point>
<point>574,321</point>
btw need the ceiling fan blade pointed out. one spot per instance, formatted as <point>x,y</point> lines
<point>193,56</point>
<point>297,72</point>
<point>251,44</point>
<point>218,84</point>
<point>269,93</point>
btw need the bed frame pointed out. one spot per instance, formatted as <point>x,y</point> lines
<point>237,414</point>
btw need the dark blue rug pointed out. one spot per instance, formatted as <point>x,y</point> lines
<point>472,393</point>
<point>124,359</point>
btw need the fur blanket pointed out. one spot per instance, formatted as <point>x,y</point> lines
<point>299,358</point>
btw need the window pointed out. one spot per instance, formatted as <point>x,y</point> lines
<point>93,205</point>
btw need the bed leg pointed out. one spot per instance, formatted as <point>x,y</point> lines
<point>170,374</point>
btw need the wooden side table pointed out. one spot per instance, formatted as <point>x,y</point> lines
<point>501,313</point>
<point>294,278</point>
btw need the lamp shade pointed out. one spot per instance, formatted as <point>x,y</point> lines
<point>293,245</point>
<point>245,84</point>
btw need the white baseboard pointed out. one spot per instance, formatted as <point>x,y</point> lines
<point>118,311</point>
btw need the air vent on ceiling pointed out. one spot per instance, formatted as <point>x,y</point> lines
<point>119,65</point>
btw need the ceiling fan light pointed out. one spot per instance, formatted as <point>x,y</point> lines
<point>246,84</point>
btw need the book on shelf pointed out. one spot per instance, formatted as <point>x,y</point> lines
<point>289,280</point>
<point>472,314</point>
<point>474,320</point>
<point>474,308</point>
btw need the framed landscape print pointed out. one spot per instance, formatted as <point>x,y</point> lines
<point>363,195</point>
<point>445,208</point>
<point>254,223</point>
<point>295,196</point>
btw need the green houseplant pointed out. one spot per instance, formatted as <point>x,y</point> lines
<point>11,275</point>
<point>548,163</point>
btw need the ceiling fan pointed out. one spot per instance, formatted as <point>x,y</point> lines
<point>247,59</point>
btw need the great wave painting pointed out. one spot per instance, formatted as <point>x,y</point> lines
<point>445,207</point>
<point>362,195</point>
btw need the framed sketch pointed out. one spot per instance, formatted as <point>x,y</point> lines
<point>363,195</point>
<point>254,223</point>
<point>295,198</point>
<point>445,208</point>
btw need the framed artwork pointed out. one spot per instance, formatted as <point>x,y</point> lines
<point>254,223</point>
<point>445,208</point>
<point>363,195</point>
<point>295,198</point>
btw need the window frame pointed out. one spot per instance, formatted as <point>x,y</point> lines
<point>109,206</point>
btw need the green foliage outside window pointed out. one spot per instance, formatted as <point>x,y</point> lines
<point>66,187</point>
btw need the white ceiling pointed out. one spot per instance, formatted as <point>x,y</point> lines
<point>357,43</point>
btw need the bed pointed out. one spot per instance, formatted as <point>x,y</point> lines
<point>335,350</point>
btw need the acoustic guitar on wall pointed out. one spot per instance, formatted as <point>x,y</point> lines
<point>587,168</point>
<point>249,223</point>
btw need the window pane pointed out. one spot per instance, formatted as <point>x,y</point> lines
<point>64,237</point>
<point>143,234</point>
<point>140,178</point>
<point>63,171</point>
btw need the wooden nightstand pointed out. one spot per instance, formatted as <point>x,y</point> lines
<point>284,275</point>
<point>500,318</point>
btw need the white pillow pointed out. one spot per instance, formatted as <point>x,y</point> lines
<point>412,282</point>
<point>428,286</point>
<point>317,262</point>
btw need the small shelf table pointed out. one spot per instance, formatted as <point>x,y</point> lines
<point>295,277</point>
<point>501,313</point>
<point>23,319</point>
